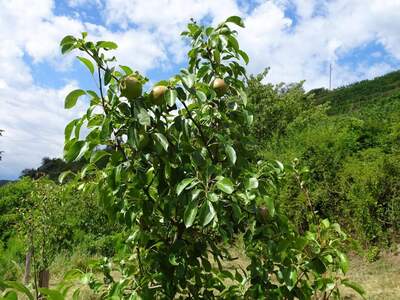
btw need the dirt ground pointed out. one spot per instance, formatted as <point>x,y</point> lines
<point>380,279</point>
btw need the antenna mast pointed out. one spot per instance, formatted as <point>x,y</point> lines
<point>330,76</point>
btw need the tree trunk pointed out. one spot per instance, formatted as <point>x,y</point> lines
<point>44,280</point>
<point>27,273</point>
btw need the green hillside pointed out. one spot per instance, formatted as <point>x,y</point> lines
<point>348,139</point>
<point>354,97</point>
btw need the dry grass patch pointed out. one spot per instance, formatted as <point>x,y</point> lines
<point>380,279</point>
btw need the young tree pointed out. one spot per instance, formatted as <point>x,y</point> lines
<point>180,177</point>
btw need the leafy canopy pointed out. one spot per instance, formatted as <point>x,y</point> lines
<point>179,175</point>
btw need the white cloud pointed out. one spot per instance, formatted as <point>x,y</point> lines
<point>164,20</point>
<point>34,121</point>
<point>325,31</point>
<point>32,116</point>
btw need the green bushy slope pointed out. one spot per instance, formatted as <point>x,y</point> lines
<point>349,140</point>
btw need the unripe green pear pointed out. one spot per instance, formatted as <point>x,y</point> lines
<point>157,94</point>
<point>131,87</point>
<point>220,87</point>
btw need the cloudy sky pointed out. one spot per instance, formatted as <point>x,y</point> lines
<point>298,39</point>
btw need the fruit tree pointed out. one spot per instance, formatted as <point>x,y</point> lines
<point>178,174</point>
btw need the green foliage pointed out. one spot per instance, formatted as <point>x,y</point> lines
<point>352,157</point>
<point>52,167</point>
<point>53,219</point>
<point>12,253</point>
<point>275,106</point>
<point>373,254</point>
<point>354,97</point>
<point>180,177</point>
<point>11,196</point>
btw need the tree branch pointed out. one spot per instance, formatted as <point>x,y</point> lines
<point>203,137</point>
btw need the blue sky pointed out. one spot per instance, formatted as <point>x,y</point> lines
<point>297,39</point>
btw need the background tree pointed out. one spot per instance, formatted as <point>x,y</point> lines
<point>52,167</point>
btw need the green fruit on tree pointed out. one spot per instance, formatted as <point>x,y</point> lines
<point>157,94</point>
<point>220,87</point>
<point>131,87</point>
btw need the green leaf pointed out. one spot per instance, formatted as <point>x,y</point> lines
<point>233,42</point>
<point>183,184</point>
<point>72,97</point>
<point>144,117</point>
<point>72,275</point>
<point>244,56</point>
<point>317,265</point>
<point>203,71</point>
<point>355,286</point>
<point>170,96</point>
<point>172,260</point>
<point>63,175</point>
<point>68,129</point>
<point>207,213</point>
<point>235,20</point>
<point>10,295</point>
<point>107,45</point>
<point>269,202</point>
<point>201,96</point>
<point>67,44</point>
<point>217,56</point>
<point>20,288</point>
<point>162,140</point>
<point>67,48</point>
<point>105,129</point>
<point>69,39</point>
<point>252,183</point>
<point>108,75</point>
<point>51,294</point>
<point>82,152</point>
<point>188,80</point>
<point>225,184</point>
<point>87,63</point>
<point>231,154</point>
<point>72,150</point>
<point>126,69</point>
<point>343,262</point>
<point>243,96</point>
<point>96,156</point>
<point>190,213</point>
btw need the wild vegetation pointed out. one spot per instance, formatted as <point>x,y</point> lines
<point>352,154</point>
<point>180,193</point>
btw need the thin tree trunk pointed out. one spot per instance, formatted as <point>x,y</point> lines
<point>28,259</point>
<point>44,278</point>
